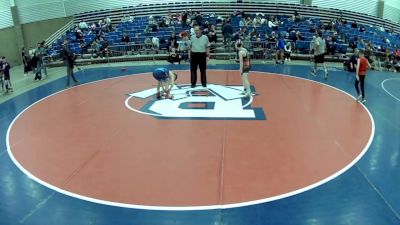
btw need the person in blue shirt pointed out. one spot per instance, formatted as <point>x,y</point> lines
<point>166,81</point>
<point>280,48</point>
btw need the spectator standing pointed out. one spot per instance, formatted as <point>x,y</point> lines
<point>25,61</point>
<point>227,32</point>
<point>69,60</point>
<point>319,54</point>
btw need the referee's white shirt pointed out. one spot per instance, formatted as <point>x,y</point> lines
<point>199,44</point>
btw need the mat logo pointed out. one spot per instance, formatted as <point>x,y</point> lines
<point>216,102</point>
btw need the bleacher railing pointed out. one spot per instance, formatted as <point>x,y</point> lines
<point>59,33</point>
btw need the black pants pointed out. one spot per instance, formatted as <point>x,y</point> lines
<point>361,82</point>
<point>198,59</point>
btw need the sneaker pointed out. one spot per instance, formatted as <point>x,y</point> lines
<point>313,73</point>
<point>363,100</point>
<point>158,95</point>
<point>358,98</point>
<point>326,76</point>
<point>247,95</point>
<point>204,85</point>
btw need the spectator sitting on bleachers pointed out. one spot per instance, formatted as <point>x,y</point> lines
<point>361,45</point>
<point>183,46</point>
<point>174,56</point>
<point>148,44</point>
<point>389,60</point>
<point>353,43</point>
<point>248,22</point>
<point>84,48</point>
<point>100,24</point>
<point>243,32</point>
<point>104,49</point>
<point>242,22</point>
<point>298,36</point>
<point>79,35</point>
<point>236,35</point>
<point>92,29</point>
<point>125,38</point>
<point>362,28</point>
<point>272,25</point>
<point>272,38</point>
<point>258,49</point>
<point>354,25</point>
<point>212,38</point>
<point>397,54</point>
<point>95,47</point>
<point>156,42</point>
<point>152,20</point>
<point>168,20</point>
<point>330,45</point>
<point>254,33</point>
<point>124,18</point>
<point>206,27</point>
<point>256,21</point>
<point>296,17</point>
<point>369,49</point>
<point>83,26</point>
<point>172,41</point>
<point>108,24</point>
<point>99,35</point>
<point>396,65</point>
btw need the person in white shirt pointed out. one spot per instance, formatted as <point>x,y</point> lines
<point>108,24</point>
<point>156,42</point>
<point>271,24</point>
<point>83,26</point>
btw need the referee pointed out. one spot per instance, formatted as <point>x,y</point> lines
<point>199,54</point>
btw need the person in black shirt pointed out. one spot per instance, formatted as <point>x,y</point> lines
<point>173,41</point>
<point>227,32</point>
<point>69,60</point>
<point>206,26</point>
<point>184,19</point>
<point>25,61</point>
<point>352,62</point>
<point>199,19</point>
<point>125,38</point>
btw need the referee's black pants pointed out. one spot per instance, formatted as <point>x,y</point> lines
<point>198,59</point>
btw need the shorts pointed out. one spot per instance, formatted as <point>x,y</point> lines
<point>246,69</point>
<point>319,58</point>
<point>160,74</point>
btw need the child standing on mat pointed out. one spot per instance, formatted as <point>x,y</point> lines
<point>245,67</point>
<point>166,81</point>
<point>362,66</point>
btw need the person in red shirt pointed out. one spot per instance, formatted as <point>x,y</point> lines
<point>361,72</point>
